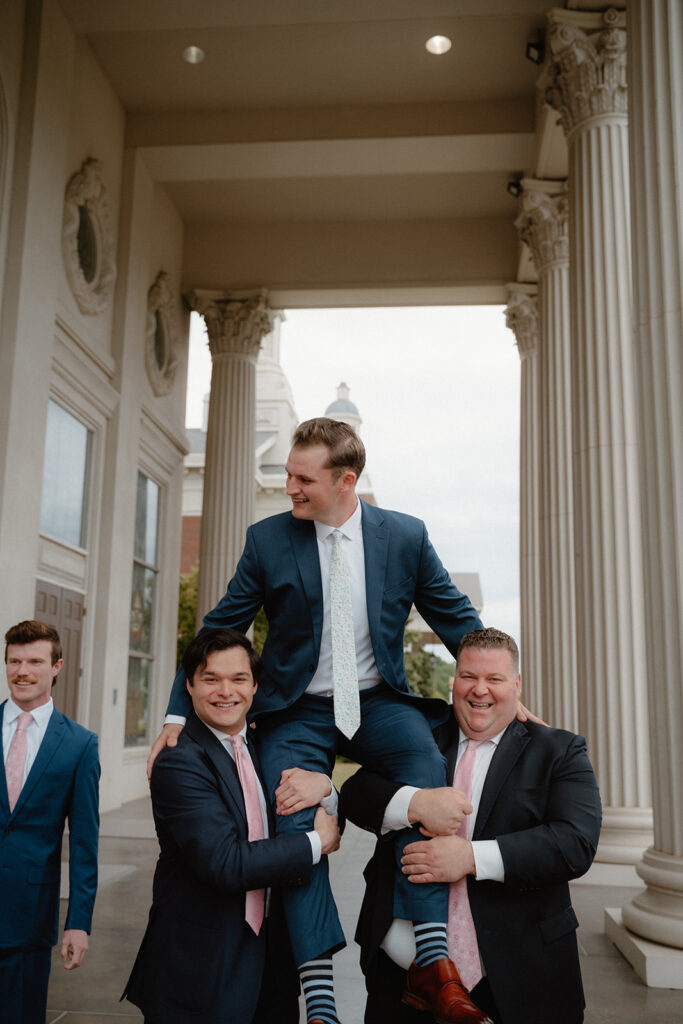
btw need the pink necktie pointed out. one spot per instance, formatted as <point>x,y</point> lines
<point>16,759</point>
<point>255,902</point>
<point>462,937</point>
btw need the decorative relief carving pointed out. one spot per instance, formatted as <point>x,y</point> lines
<point>589,68</point>
<point>542,225</point>
<point>236,326</point>
<point>521,316</point>
<point>161,336</point>
<point>87,239</point>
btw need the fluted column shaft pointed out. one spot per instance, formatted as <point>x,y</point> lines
<point>235,328</point>
<point>656,99</point>
<point>589,90</point>
<point>543,226</point>
<point>522,318</point>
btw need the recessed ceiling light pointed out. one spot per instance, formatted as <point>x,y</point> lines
<point>438,45</point>
<point>193,54</point>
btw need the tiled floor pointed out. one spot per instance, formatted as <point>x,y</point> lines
<point>91,995</point>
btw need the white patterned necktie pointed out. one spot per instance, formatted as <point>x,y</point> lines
<point>344,664</point>
<point>16,759</point>
<point>463,947</point>
<point>255,899</point>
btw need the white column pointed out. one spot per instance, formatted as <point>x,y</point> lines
<point>588,88</point>
<point>656,98</point>
<point>236,327</point>
<point>521,316</point>
<point>542,224</point>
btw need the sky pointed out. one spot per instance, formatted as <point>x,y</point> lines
<point>438,392</point>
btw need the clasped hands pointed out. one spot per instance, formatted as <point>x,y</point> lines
<point>446,857</point>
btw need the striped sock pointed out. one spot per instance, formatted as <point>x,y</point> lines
<point>430,942</point>
<point>318,986</point>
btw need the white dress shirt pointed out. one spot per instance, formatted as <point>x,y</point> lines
<point>35,730</point>
<point>354,554</point>
<point>353,551</point>
<point>399,942</point>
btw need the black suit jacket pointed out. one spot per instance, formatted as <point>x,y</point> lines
<point>199,960</point>
<point>541,802</point>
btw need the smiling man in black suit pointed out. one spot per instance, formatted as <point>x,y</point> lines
<point>534,825</point>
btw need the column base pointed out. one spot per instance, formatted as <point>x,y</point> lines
<point>656,965</point>
<point>626,834</point>
<point>656,913</point>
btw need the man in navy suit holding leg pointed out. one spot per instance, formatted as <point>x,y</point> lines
<point>51,775</point>
<point>337,578</point>
<point>216,946</point>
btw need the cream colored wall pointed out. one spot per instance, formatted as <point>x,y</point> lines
<point>65,112</point>
<point>96,129</point>
<point>11,43</point>
<point>145,432</point>
<point>40,122</point>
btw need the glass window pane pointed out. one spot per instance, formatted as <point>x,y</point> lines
<point>66,469</point>
<point>136,702</point>
<point>146,518</point>
<point>142,608</point>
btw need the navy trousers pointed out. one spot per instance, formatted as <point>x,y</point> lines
<point>24,976</point>
<point>394,740</point>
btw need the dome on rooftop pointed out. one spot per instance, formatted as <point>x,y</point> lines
<point>342,406</point>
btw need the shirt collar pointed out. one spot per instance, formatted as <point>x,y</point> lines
<point>40,714</point>
<point>224,737</point>
<point>491,739</point>
<point>351,529</point>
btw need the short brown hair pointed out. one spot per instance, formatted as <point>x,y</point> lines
<point>210,640</point>
<point>344,447</point>
<point>30,630</point>
<point>490,639</point>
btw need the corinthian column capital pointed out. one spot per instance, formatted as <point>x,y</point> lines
<point>588,66</point>
<point>236,325</point>
<point>542,224</point>
<point>521,316</point>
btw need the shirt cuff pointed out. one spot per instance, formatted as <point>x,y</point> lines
<point>316,846</point>
<point>396,811</point>
<point>488,861</point>
<point>330,803</point>
<point>174,720</point>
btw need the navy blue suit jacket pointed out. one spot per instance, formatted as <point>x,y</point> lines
<point>541,802</point>
<point>199,960</point>
<point>280,570</point>
<point>62,785</point>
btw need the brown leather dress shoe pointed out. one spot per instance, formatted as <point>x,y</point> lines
<point>437,987</point>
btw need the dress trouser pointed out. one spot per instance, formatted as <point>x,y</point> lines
<point>394,740</point>
<point>24,977</point>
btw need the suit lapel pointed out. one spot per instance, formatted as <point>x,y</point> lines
<point>449,746</point>
<point>305,548</point>
<point>225,767</point>
<point>54,734</point>
<point>513,742</point>
<point>4,796</point>
<point>375,547</point>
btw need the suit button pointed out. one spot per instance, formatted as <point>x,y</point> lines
<point>311,668</point>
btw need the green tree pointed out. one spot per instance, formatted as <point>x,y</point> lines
<point>187,614</point>
<point>187,609</point>
<point>428,675</point>
<point>419,664</point>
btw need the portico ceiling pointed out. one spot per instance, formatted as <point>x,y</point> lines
<point>318,146</point>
